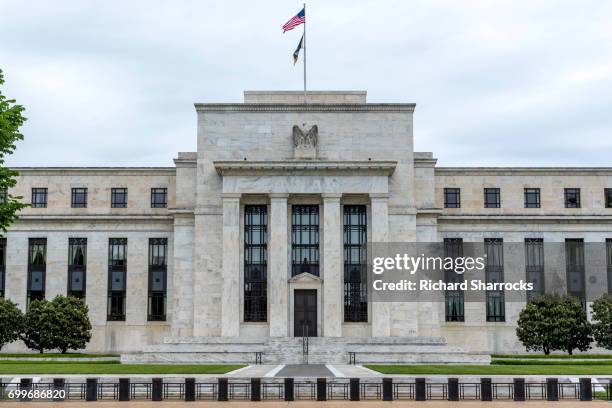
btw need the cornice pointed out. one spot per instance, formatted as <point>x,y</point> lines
<point>518,218</point>
<point>94,217</point>
<point>95,171</point>
<point>249,168</point>
<point>523,171</point>
<point>300,107</point>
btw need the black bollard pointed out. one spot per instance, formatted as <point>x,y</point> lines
<point>189,389</point>
<point>157,389</point>
<point>222,389</point>
<point>321,389</point>
<point>25,385</point>
<point>519,389</point>
<point>124,389</point>
<point>419,389</point>
<point>387,389</point>
<point>354,389</point>
<point>255,389</point>
<point>586,390</point>
<point>289,396</point>
<point>91,390</point>
<point>552,389</point>
<point>486,389</point>
<point>59,384</point>
<point>453,389</point>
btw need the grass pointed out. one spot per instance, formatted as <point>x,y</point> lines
<point>535,369</point>
<point>110,367</point>
<point>552,362</point>
<point>553,356</point>
<point>55,355</point>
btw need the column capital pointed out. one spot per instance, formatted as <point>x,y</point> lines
<point>379,196</point>
<point>331,196</point>
<point>230,196</point>
<point>278,196</point>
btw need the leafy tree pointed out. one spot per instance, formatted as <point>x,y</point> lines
<point>575,330</point>
<point>71,325</point>
<point>11,119</point>
<point>38,327</point>
<point>11,322</point>
<point>602,316</point>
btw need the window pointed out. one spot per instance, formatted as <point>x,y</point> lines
<point>159,197</point>
<point>452,198</point>
<point>355,262</point>
<point>532,198</point>
<point>39,198</point>
<point>3,195</point>
<point>574,263</point>
<point>454,299</point>
<point>609,262</point>
<point>158,286</point>
<point>77,265</point>
<point>534,266</point>
<point>2,265</point>
<point>119,197</point>
<point>492,198</point>
<point>79,198</point>
<point>117,271</point>
<point>305,239</point>
<point>608,194</point>
<point>494,273</point>
<point>37,268</point>
<point>572,198</point>
<point>255,263</point>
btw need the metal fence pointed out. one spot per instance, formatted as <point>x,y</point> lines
<point>320,389</point>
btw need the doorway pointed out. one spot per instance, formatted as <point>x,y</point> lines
<point>305,313</point>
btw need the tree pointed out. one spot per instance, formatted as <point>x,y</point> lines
<point>71,325</point>
<point>575,329</point>
<point>38,328</point>
<point>602,316</point>
<point>11,119</point>
<point>11,322</point>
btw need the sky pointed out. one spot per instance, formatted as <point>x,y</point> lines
<point>496,83</point>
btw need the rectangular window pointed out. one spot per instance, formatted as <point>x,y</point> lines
<point>158,276</point>
<point>119,197</point>
<point>77,266</point>
<point>454,299</point>
<point>608,194</point>
<point>355,262</point>
<point>2,265</point>
<point>3,195</point>
<point>37,268</point>
<point>572,198</point>
<point>532,198</point>
<point>534,266</point>
<point>305,239</point>
<point>609,262</point>
<point>255,263</point>
<point>492,198</point>
<point>39,198</point>
<point>79,198</point>
<point>574,262</point>
<point>159,197</point>
<point>452,198</point>
<point>117,274</point>
<point>494,273</point>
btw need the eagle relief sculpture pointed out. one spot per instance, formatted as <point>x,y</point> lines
<point>305,144</point>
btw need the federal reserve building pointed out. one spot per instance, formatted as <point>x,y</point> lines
<point>259,239</point>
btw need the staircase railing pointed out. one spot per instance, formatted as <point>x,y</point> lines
<point>305,344</point>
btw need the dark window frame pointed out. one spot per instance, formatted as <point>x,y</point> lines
<point>255,271</point>
<point>79,197</point>
<point>534,266</point>
<point>117,264</point>
<point>454,300</point>
<point>609,262</point>
<point>158,268</point>
<point>494,273</point>
<point>572,197</point>
<point>159,197</point>
<point>39,197</point>
<point>77,268</point>
<point>529,193</point>
<point>452,193</point>
<point>4,195</point>
<point>355,238</point>
<point>36,244</point>
<point>2,267</point>
<point>608,197</point>
<point>116,194</point>
<point>575,268</point>
<point>305,223</point>
<point>492,197</point>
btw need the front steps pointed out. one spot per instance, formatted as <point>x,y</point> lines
<point>322,350</point>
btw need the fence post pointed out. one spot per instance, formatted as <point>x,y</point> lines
<point>26,384</point>
<point>419,389</point>
<point>387,385</point>
<point>91,389</point>
<point>486,389</point>
<point>189,389</point>
<point>255,389</point>
<point>519,389</point>
<point>58,385</point>
<point>222,389</point>
<point>453,389</point>
<point>124,389</point>
<point>586,390</point>
<point>157,389</point>
<point>321,389</point>
<point>354,389</point>
<point>289,396</point>
<point>552,389</point>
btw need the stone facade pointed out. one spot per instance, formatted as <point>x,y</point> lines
<point>246,155</point>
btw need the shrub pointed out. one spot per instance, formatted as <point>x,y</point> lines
<point>72,328</point>
<point>11,322</point>
<point>602,317</point>
<point>38,328</point>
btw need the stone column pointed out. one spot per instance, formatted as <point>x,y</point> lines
<point>182,276</point>
<point>230,302</point>
<point>381,311</point>
<point>332,266</point>
<point>277,266</point>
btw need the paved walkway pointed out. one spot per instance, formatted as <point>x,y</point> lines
<point>303,370</point>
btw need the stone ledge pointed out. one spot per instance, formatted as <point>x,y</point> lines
<point>230,168</point>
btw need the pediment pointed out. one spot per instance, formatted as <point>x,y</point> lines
<point>305,277</point>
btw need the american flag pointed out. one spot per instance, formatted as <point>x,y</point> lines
<point>299,18</point>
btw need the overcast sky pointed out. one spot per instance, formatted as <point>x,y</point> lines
<point>496,83</point>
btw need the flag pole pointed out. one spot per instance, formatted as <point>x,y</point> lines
<point>304,45</point>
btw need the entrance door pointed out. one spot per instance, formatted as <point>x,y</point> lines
<point>305,313</point>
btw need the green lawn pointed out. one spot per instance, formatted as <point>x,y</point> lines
<point>111,367</point>
<point>536,369</point>
<point>552,362</point>
<point>48,355</point>
<point>553,356</point>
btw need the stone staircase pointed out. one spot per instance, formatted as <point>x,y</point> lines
<point>322,350</point>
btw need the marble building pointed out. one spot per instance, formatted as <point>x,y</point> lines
<point>248,243</point>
